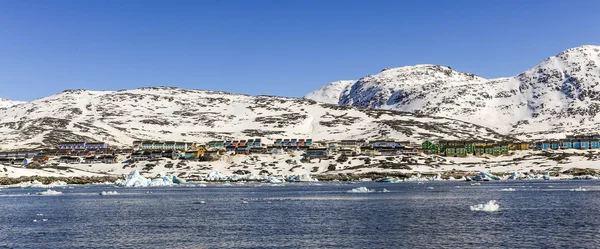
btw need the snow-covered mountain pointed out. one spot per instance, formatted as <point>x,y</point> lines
<point>560,95</point>
<point>331,92</point>
<point>120,117</point>
<point>8,103</point>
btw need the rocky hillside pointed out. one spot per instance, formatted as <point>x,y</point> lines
<point>8,103</point>
<point>560,95</point>
<point>331,92</point>
<point>120,117</point>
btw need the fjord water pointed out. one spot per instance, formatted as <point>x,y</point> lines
<point>431,215</point>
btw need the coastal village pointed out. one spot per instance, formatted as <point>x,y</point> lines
<point>97,152</point>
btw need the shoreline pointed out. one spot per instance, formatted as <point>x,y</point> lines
<point>455,175</point>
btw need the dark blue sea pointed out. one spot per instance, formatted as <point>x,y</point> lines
<point>431,215</point>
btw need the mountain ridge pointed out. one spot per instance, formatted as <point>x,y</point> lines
<point>525,105</point>
<point>158,113</point>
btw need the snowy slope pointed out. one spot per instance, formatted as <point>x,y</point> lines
<point>8,103</point>
<point>560,95</point>
<point>331,92</point>
<point>120,117</point>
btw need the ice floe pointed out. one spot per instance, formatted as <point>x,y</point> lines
<point>301,178</point>
<point>37,184</point>
<point>490,206</point>
<point>135,179</point>
<point>49,192</point>
<point>507,189</point>
<point>579,189</point>
<point>273,180</point>
<point>361,190</point>
<point>109,193</point>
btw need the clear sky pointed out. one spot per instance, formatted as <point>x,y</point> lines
<point>272,47</point>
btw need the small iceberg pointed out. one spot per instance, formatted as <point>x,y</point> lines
<point>388,179</point>
<point>49,192</point>
<point>361,190</point>
<point>273,180</point>
<point>109,193</point>
<point>579,189</point>
<point>475,184</point>
<point>490,206</point>
<point>507,189</point>
<point>429,187</point>
<point>385,191</point>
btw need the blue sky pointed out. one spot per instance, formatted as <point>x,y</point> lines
<point>272,47</point>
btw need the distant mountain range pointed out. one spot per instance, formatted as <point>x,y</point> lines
<point>173,114</point>
<point>559,95</point>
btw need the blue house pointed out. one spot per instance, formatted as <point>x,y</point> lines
<point>595,144</point>
<point>555,145</point>
<point>309,142</point>
<point>542,145</point>
<point>566,144</point>
<point>577,144</point>
<point>585,144</point>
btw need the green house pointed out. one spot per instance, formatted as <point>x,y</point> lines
<point>469,147</point>
<point>427,145</point>
<point>461,152</point>
<point>450,151</point>
<point>489,150</point>
<point>479,151</point>
<point>497,150</point>
<point>504,149</point>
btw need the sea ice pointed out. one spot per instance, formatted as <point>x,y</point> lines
<point>273,180</point>
<point>429,187</point>
<point>134,179</point>
<point>301,178</point>
<point>507,189</point>
<point>361,190</point>
<point>109,193</point>
<point>579,189</point>
<point>49,192</point>
<point>490,206</point>
<point>385,191</point>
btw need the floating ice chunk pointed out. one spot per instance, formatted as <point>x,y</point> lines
<point>429,187</point>
<point>39,214</point>
<point>273,180</point>
<point>385,191</point>
<point>178,180</point>
<point>57,184</point>
<point>490,206</point>
<point>44,220</point>
<point>35,220</point>
<point>244,202</point>
<point>475,184</point>
<point>301,178</point>
<point>134,179</point>
<point>49,192</point>
<point>361,190</point>
<point>507,189</point>
<point>109,193</point>
<point>579,189</point>
<point>215,175</point>
<point>163,181</point>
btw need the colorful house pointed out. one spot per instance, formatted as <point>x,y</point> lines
<point>566,144</point>
<point>555,145</point>
<point>450,151</point>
